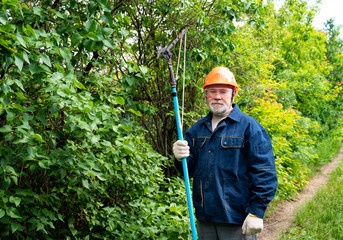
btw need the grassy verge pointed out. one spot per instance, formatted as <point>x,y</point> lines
<point>322,217</point>
<point>326,150</point>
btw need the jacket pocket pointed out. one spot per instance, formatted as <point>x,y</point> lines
<point>232,142</point>
<point>199,142</point>
<point>198,197</point>
<point>235,195</point>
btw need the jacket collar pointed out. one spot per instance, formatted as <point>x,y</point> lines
<point>235,115</point>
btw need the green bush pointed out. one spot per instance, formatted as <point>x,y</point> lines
<point>287,130</point>
<point>71,165</point>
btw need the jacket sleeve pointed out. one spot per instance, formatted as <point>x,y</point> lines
<point>261,171</point>
<point>191,160</point>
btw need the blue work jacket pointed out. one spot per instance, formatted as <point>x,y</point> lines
<point>232,167</point>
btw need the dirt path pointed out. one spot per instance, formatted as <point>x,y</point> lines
<point>283,217</point>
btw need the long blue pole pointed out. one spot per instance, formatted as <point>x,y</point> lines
<point>168,56</point>
<point>184,165</point>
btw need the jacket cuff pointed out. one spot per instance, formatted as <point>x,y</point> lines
<point>256,210</point>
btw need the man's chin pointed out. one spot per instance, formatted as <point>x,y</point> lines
<point>218,112</point>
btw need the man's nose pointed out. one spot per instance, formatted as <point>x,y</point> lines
<point>217,95</point>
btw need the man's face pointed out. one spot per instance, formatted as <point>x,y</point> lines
<point>219,99</point>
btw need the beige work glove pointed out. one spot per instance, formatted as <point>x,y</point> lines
<point>252,225</point>
<point>180,149</point>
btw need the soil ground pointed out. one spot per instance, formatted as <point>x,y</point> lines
<point>283,217</point>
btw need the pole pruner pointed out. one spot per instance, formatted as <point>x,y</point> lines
<point>168,56</point>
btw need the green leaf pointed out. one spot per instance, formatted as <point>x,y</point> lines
<point>19,107</point>
<point>91,26</point>
<point>30,31</point>
<point>124,32</point>
<point>107,31</point>
<point>126,128</point>
<point>92,36</point>
<point>71,226</point>
<point>19,84</point>
<point>105,5</point>
<point>3,18</point>
<point>120,100</point>
<point>65,54</point>
<point>11,2</point>
<point>37,10</point>
<point>85,183</point>
<point>38,138</point>
<point>95,138</point>
<point>45,59</point>
<point>78,84</point>
<point>2,213</point>
<point>106,143</point>
<point>56,76</point>
<point>107,17</point>
<point>108,43</point>
<point>130,80</point>
<point>100,176</point>
<point>15,200</point>
<point>20,39</point>
<point>75,39</point>
<point>19,62</point>
<point>6,128</point>
<point>26,57</point>
<point>42,119</point>
<point>39,68</point>
<point>54,109</point>
<point>137,113</point>
<point>44,164</point>
<point>127,19</point>
<point>15,226</point>
<point>12,212</point>
<point>57,13</point>
<point>144,69</point>
<point>20,95</point>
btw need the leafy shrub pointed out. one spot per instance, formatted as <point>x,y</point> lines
<point>71,165</point>
<point>287,130</point>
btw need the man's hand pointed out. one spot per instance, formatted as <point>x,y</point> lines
<point>180,149</point>
<point>252,225</point>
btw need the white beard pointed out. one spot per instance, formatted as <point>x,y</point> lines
<point>219,110</point>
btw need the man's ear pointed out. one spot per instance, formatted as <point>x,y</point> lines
<point>233,96</point>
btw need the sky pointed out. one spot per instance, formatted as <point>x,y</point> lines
<point>327,9</point>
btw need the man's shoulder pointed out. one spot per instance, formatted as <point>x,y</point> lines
<point>250,121</point>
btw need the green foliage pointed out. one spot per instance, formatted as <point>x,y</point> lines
<point>287,130</point>
<point>71,164</point>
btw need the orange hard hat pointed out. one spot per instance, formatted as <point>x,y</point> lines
<point>220,75</point>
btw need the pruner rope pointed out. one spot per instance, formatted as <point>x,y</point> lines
<point>183,74</point>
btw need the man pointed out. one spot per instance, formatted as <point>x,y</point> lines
<point>230,158</point>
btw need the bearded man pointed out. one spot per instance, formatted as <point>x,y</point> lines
<point>230,158</point>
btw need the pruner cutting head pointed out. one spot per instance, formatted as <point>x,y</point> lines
<point>161,50</point>
<point>166,50</point>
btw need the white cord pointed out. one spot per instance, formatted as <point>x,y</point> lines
<point>178,62</point>
<point>183,83</point>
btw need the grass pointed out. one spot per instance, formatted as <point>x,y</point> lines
<point>322,217</point>
<point>329,148</point>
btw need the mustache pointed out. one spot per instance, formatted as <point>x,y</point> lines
<point>216,101</point>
